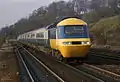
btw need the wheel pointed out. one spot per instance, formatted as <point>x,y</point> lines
<point>80,61</point>
<point>65,61</point>
<point>59,57</point>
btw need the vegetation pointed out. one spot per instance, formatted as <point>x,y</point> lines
<point>95,16</point>
<point>45,15</point>
<point>39,18</point>
<point>1,40</point>
<point>104,22</point>
<point>107,31</point>
<point>101,10</point>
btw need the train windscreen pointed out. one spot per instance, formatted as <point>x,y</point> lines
<point>75,31</point>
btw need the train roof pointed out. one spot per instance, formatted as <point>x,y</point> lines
<point>66,20</point>
<point>71,20</point>
<point>34,31</point>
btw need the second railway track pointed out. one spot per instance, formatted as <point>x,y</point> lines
<point>103,74</point>
<point>115,56</point>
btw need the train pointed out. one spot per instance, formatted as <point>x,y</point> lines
<point>66,39</point>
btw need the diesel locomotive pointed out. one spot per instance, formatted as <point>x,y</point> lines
<point>66,39</point>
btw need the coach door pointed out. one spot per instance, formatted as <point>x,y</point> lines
<point>47,38</point>
<point>57,35</point>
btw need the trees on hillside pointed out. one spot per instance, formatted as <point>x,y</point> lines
<point>101,9</point>
<point>47,14</point>
<point>40,17</point>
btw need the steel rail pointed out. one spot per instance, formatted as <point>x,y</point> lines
<point>84,73</point>
<point>103,70</point>
<point>25,66</point>
<point>58,77</point>
<point>107,57</point>
<point>77,70</point>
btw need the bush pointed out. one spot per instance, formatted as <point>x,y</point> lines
<point>1,40</point>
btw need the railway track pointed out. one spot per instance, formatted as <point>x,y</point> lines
<point>88,71</point>
<point>25,75</point>
<point>106,72</point>
<point>86,76</point>
<point>93,71</point>
<point>110,53</point>
<point>105,50</point>
<point>103,74</point>
<point>36,70</point>
<point>102,58</point>
<point>107,57</point>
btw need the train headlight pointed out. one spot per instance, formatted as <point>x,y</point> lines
<point>85,42</point>
<point>67,43</point>
<point>88,42</point>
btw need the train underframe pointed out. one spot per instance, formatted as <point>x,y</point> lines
<point>56,54</point>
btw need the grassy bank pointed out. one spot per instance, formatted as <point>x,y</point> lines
<point>107,31</point>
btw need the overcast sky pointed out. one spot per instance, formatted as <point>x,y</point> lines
<point>13,10</point>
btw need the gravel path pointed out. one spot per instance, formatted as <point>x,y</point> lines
<point>8,65</point>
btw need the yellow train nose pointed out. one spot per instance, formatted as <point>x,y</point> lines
<point>74,51</point>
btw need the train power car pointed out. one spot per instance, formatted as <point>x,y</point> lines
<point>67,39</point>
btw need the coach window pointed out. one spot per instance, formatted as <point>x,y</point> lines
<point>28,35</point>
<point>40,35</point>
<point>32,35</point>
<point>25,36</point>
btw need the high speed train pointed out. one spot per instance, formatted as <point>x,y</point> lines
<point>66,39</point>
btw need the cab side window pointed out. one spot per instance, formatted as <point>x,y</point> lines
<point>52,33</point>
